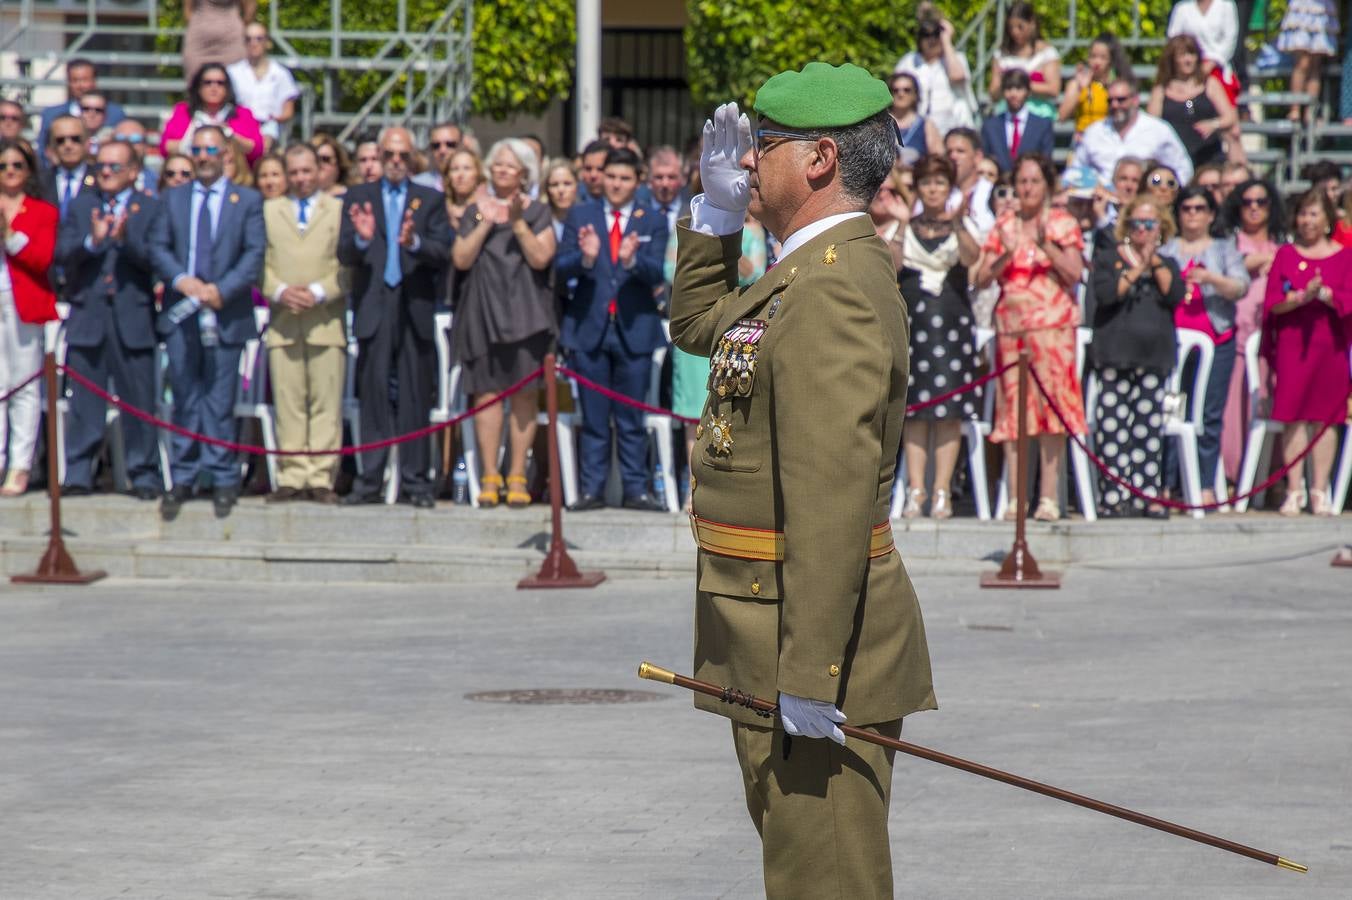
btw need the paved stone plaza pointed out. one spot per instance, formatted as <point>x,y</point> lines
<point>161,739</point>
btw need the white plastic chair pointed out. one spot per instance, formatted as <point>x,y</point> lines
<point>1342,477</point>
<point>660,426</point>
<point>164,411</point>
<point>1189,427</point>
<point>351,407</point>
<point>251,392</point>
<point>1257,447</point>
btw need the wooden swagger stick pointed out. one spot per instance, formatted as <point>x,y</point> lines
<point>729,695</point>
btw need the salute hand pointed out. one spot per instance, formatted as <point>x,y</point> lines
<point>727,138</point>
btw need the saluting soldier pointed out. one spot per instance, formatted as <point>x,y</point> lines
<point>801,592</point>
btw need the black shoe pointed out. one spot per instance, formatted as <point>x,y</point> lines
<point>587,502</point>
<point>359,498</point>
<point>75,490</point>
<point>1158,512</point>
<point>422,501</point>
<point>285,495</point>
<point>645,503</point>
<point>223,500</point>
<point>146,492</point>
<point>173,501</point>
<point>325,496</point>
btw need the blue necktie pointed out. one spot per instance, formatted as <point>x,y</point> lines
<point>68,193</point>
<point>394,217</point>
<point>304,217</point>
<point>202,262</point>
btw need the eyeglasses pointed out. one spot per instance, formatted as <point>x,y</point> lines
<point>1113,101</point>
<point>93,109</point>
<point>214,82</point>
<point>401,155</point>
<point>62,140</point>
<point>761,134</point>
<point>11,117</point>
<point>16,166</point>
<point>445,145</point>
<point>1143,224</point>
<point>185,174</point>
<point>1255,202</point>
<point>1194,208</point>
<point>327,158</point>
<point>1165,180</point>
<point>1004,192</point>
<point>929,33</point>
<point>129,138</point>
<point>206,151</point>
<point>902,89</point>
<point>110,167</point>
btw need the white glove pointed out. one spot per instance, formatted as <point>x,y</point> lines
<point>727,138</point>
<point>810,718</point>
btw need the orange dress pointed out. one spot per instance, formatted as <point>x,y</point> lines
<point>1036,310</point>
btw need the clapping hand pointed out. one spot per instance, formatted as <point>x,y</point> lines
<point>4,226</point>
<point>363,220</point>
<point>1199,274</point>
<point>1083,77</point>
<point>727,138</point>
<point>406,232</point>
<point>589,242</point>
<point>100,225</point>
<point>628,247</point>
<point>516,208</point>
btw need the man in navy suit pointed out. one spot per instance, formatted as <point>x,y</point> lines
<point>110,333</point>
<point>397,239</point>
<point>615,250</point>
<point>80,80</point>
<point>1006,135</point>
<point>207,246</point>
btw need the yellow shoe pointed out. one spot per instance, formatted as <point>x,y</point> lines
<point>490,490</point>
<point>517,495</point>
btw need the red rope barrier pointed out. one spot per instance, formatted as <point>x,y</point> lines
<point>1164,501</point>
<point>249,448</point>
<point>26,382</point>
<point>659,411</point>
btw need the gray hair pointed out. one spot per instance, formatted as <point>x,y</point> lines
<point>525,157</point>
<point>865,154</point>
<point>1129,161</point>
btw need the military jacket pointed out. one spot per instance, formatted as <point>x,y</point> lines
<point>799,586</point>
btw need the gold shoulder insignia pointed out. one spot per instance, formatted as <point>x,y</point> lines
<point>829,257</point>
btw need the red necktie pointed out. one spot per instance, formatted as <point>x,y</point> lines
<point>1014,141</point>
<point>615,238</point>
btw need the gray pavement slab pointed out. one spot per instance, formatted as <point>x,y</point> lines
<point>236,740</point>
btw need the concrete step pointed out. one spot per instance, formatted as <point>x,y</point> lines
<point>308,543</point>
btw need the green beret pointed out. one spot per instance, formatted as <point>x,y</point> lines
<point>822,96</point>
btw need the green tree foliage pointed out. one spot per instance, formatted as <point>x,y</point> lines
<point>523,49</point>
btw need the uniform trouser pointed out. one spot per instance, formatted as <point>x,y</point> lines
<point>133,376</point>
<point>389,410</point>
<point>613,365</point>
<point>20,357</point>
<point>203,381</point>
<point>307,394</point>
<point>821,813</point>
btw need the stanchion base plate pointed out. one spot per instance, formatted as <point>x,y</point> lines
<point>1046,581</point>
<point>61,578</point>
<point>1342,559</point>
<point>580,580</point>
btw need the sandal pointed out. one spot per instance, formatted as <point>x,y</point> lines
<point>517,495</point>
<point>490,491</point>
<point>1320,502</point>
<point>942,507</point>
<point>1293,504</point>
<point>1047,510</point>
<point>16,483</point>
<point>915,501</point>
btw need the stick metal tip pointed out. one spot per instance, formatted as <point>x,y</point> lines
<point>1293,866</point>
<point>656,673</point>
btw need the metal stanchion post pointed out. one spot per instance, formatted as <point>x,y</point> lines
<point>56,566</point>
<point>558,569</point>
<point>1020,569</point>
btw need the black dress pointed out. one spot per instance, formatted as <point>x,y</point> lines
<point>943,346</point>
<point>1184,115</point>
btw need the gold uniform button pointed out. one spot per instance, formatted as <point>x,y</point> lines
<point>833,671</point>
<point>699,430</point>
<point>755,587</point>
<point>692,482</point>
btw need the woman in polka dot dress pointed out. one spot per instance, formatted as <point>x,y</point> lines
<point>1136,292</point>
<point>935,252</point>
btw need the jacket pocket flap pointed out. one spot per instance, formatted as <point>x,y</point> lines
<point>727,576</point>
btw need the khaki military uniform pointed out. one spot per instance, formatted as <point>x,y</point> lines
<point>800,588</point>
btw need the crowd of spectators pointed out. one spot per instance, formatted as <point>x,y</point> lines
<point>176,246</point>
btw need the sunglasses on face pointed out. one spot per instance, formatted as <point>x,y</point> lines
<point>1143,224</point>
<point>178,173</point>
<point>401,155</point>
<point>445,145</point>
<point>1114,101</point>
<point>1255,202</point>
<point>1193,208</point>
<point>328,158</point>
<point>206,151</point>
<point>110,167</point>
<point>763,133</point>
<point>64,139</point>
<point>213,82</point>
<point>1004,193</point>
<point>93,109</point>
<point>11,117</point>
<point>902,89</point>
<point>15,166</point>
<point>129,138</point>
<point>1165,180</point>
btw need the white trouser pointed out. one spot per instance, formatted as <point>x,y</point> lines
<point>20,357</point>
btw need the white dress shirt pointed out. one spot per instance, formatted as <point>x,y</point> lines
<point>1216,30</point>
<point>1022,116</point>
<point>315,287</point>
<point>709,219</point>
<point>1101,146</point>
<point>263,95</point>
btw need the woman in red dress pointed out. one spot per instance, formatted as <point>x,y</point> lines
<point>1035,253</point>
<point>1307,319</point>
<point>27,240</point>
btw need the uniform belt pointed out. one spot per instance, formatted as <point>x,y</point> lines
<point>742,542</point>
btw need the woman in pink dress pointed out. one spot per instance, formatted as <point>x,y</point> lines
<point>211,101</point>
<point>1253,213</point>
<point>1307,317</point>
<point>1035,252</point>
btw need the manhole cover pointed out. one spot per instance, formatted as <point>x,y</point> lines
<point>554,696</point>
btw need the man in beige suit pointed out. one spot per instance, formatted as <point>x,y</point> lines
<point>307,334</point>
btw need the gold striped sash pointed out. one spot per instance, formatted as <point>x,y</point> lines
<point>742,542</point>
